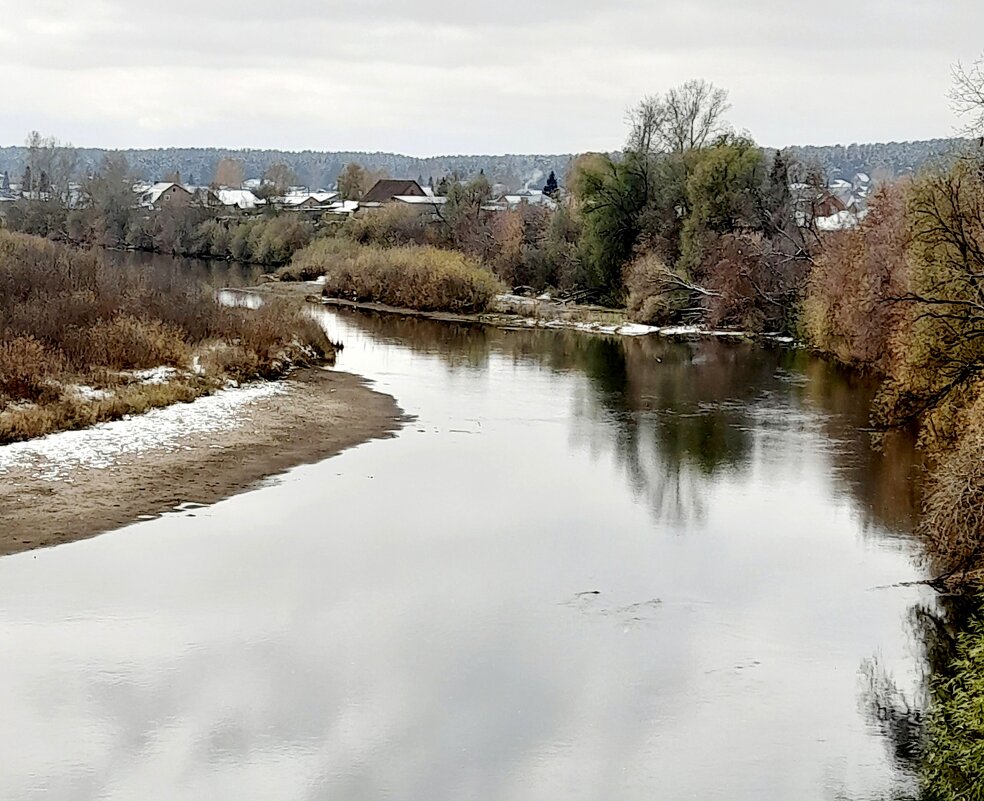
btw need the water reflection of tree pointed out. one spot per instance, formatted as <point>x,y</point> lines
<point>212,273</point>
<point>885,479</point>
<point>460,346</point>
<point>916,735</point>
<point>702,408</point>
<point>676,414</point>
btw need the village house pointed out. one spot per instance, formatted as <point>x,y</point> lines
<point>513,200</point>
<point>305,201</point>
<point>164,194</point>
<point>387,191</point>
<point>242,199</point>
<point>406,193</point>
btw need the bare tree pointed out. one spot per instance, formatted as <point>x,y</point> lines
<point>57,161</point>
<point>353,181</point>
<point>687,117</point>
<point>967,96</point>
<point>280,176</point>
<point>229,173</point>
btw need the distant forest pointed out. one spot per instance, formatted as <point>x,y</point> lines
<point>317,169</point>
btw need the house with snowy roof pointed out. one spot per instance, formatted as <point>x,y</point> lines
<point>164,194</point>
<point>305,201</point>
<point>242,199</point>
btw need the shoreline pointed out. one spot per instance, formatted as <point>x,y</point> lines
<point>318,414</point>
<point>546,315</point>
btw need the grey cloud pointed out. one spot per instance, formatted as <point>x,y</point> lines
<point>437,75</point>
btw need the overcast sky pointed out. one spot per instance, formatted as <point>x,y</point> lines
<point>428,77</point>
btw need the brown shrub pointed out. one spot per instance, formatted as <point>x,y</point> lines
<point>235,361</point>
<point>393,225</point>
<point>66,316</point>
<point>656,293</point>
<point>751,284</point>
<point>317,258</point>
<point>953,513</point>
<point>518,249</point>
<point>848,309</point>
<point>126,342</point>
<point>412,277</point>
<point>70,413</point>
<point>28,369</point>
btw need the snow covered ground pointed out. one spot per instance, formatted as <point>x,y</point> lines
<point>54,456</point>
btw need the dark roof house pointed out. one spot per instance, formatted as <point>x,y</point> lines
<point>384,191</point>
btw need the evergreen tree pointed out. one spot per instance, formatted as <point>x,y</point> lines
<point>27,182</point>
<point>6,182</point>
<point>551,188</point>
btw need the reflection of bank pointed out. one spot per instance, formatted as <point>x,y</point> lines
<point>689,411</point>
<point>934,729</point>
<point>684,413</point>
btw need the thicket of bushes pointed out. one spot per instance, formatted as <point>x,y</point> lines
<point>413,276</point>
<point>530,246</point>
<point>267,240</point>
<point>903,295</point>
<point>848,309</point>
<point>181,229</point>
<point>68,318</point>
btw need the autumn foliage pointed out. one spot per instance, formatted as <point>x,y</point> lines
<point>852,309</point>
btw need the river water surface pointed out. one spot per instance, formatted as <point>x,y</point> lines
<point>589,568</point>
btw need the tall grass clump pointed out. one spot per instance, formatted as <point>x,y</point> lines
<point>68,319</point>
<point>413,277</point>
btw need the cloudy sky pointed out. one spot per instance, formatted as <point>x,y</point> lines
<point>429,77</point>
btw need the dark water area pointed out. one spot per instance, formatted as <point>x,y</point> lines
<point>213,273</point>
<point>589,568</point>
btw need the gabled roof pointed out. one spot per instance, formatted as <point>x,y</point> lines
<point>418,200</point>
<point>343,207</point>
<point>533,198</point>
<point>153,194</point>
<point>242,198</point>
<point>387,190</point>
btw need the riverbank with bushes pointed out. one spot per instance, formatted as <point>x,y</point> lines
<point>83,341</point>
<point>185,229</point>
<point>419,277</point>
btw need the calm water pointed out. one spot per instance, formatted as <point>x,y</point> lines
<point>588,569</point>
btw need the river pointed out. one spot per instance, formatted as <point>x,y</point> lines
<point>588,568</point>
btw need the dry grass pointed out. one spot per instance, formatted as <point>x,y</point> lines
<point>318,258</point>
<point>69,318</point>
<point>20,422</point>
<point>412,277</point>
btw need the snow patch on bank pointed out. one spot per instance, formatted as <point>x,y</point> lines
<point>697,331</point>
<point>53,457</point>
<point>158,376</point>
<point>618,329</point>
<point>86,393</point>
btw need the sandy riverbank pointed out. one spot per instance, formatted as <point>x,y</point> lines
<point>50,499</point>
